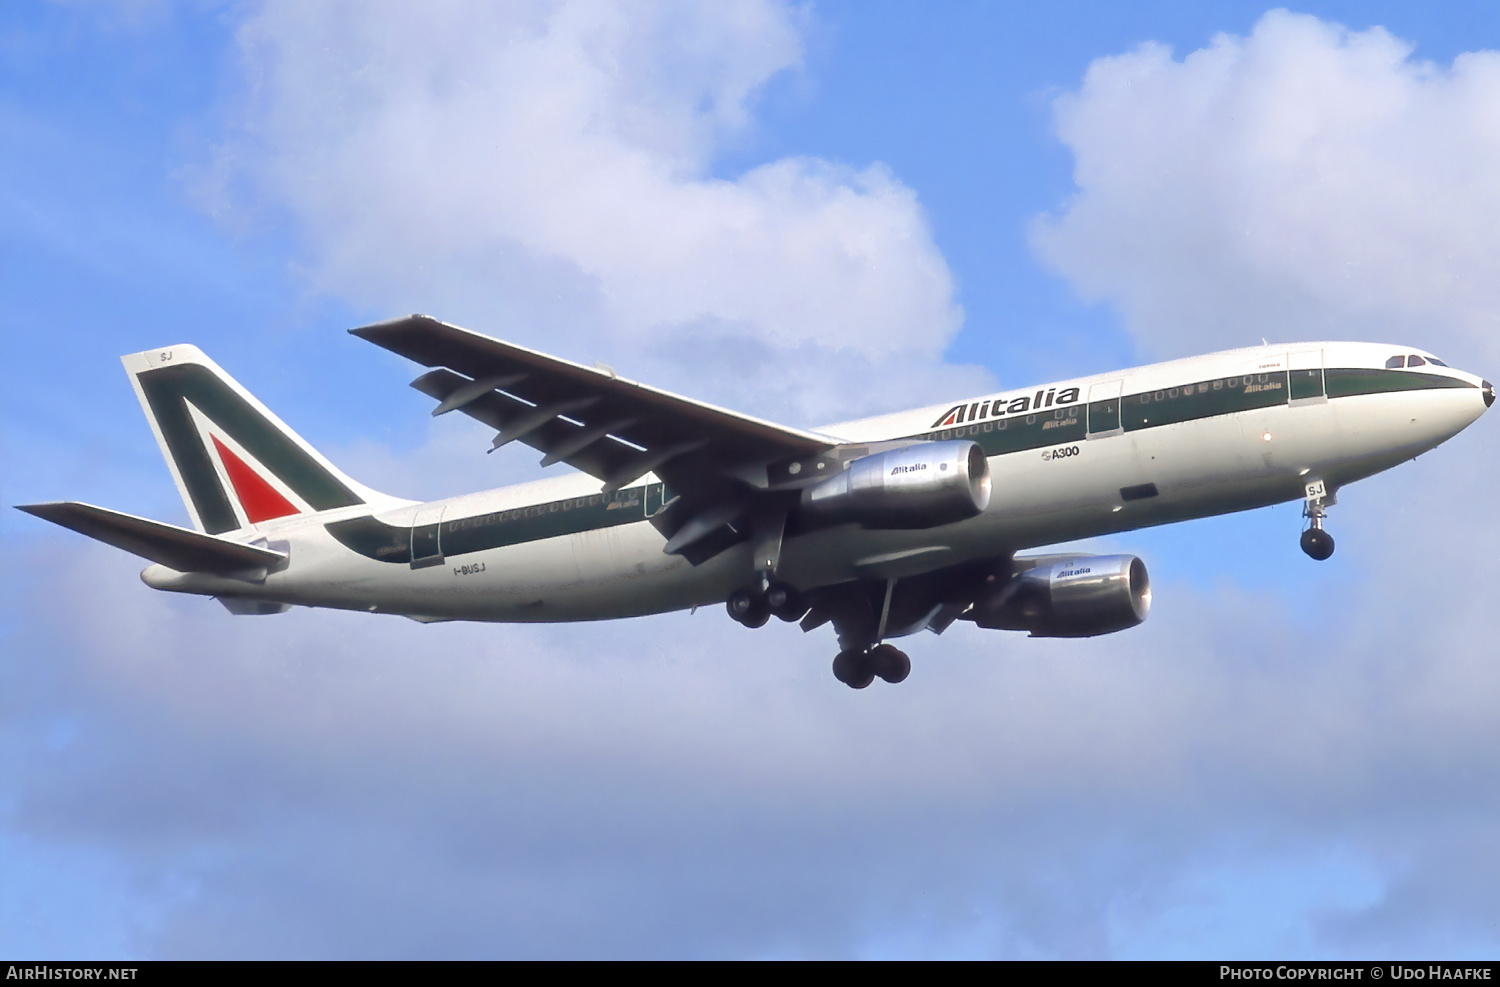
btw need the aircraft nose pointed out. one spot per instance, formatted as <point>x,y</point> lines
<point>1489,394</point>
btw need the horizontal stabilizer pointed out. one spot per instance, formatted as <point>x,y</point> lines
<point>174,547</point>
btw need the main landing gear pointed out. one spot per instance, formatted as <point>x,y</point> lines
<point>857,668</point>
<point>1317,543</point>
<point>754,607</point>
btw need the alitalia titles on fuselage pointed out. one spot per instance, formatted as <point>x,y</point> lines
<point>1001,406</point>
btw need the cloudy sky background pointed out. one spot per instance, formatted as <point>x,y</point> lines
<point>808,213</point>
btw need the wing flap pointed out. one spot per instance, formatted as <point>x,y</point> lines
<point>174,547</point>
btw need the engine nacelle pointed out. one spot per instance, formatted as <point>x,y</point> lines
<point>920,486</point>
<point>1079,597</point>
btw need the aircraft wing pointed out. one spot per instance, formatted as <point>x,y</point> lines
<point>588,417</point>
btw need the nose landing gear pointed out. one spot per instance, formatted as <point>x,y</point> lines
<point>1317,543</point>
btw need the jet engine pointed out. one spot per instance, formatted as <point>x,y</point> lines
<point>1082,596</point>
<point>919,486</point>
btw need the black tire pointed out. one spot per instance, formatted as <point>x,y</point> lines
<point>748,608</point>
<point>1317,543</point>
<point>786,602</point>
<point>890,663</point>
<point>853,668</point>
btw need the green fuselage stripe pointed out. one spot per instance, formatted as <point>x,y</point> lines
<point>997,437</point>
<point>391,543</point>
<point>1347,383</point>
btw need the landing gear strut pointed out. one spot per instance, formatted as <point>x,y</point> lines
<point>1317,543</point>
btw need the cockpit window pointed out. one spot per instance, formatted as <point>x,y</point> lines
<point>1436,362</point>
<point>1415,361</point>
<point>1395,363</point>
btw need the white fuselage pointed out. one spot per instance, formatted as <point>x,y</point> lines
<point>1085,482</point>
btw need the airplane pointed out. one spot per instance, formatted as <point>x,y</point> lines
<point>882,527</point>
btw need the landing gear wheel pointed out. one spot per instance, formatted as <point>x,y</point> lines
<point>786,602</point>
<point>1317,543</point>
<point>748,608</point>
<point>890,663</point>
<point>853,668</point>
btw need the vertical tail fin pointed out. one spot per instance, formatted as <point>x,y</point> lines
<point>236,464</point>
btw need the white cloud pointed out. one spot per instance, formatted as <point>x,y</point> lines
<point>545,172</point>
<point>1303,182</point>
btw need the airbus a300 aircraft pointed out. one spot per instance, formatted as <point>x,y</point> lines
<point>882,527</point>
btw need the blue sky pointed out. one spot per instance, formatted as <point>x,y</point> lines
<point>1288,759</point>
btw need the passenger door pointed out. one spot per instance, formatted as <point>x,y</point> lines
<point>1306,376</point>
<point>426,536</point>
<point>1104,409</point>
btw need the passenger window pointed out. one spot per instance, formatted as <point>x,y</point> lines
<point>1415,361</point>
<point>1395,363</point>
